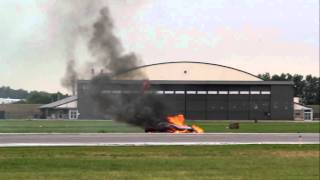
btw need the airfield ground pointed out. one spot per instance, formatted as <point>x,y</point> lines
<point>99,126</point>
<point>298,161</point>
<point>161,162</point>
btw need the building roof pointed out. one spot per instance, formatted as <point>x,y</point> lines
<point>298,106</point>
<point>199,82</point>
<point>59,102</point>
<point>316,108</point>
<point>187,71</point>
<point>9,100</point>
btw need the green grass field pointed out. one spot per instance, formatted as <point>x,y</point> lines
<point>263,127</point>
<point>93,126</point>
<point>64,126</point>
<point>161,162</point>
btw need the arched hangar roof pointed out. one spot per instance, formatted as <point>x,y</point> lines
<point>188,71</point>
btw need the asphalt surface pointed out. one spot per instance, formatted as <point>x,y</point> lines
<point>114,139</point>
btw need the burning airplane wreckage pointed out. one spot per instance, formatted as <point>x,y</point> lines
<point>143,109</point>
<point>139,105</point>
<point>174,124</point>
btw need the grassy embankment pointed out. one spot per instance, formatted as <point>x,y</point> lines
<point>92,126</point>
<point>161,162</point>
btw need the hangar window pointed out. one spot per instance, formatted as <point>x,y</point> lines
<point>254,92</point>
<point>212,92</point>
<point>179,92</point>
<point>159,92</point>
<point>233,92</point>
<point>106,92</point>
<point>168,92</point>
<point>116,92</point>
<point>191,92</point>
<point>223,92</point>
<point>126,92</point>
<point>201,92</point>
<point>265,92</point>
<point>244,92</point>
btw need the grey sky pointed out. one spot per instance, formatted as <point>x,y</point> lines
<point>253,35</point>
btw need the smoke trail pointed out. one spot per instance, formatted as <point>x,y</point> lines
<point>108,55</point>
<point>71,76</point>
<point>107,48</point>
<point>139,109</point>
<point>70,24</point>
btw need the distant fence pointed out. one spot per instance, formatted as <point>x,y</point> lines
<point>316,111</point>
<point>2,114</point>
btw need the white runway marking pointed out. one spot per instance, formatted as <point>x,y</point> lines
<point>153,139</point>
<point>139,144</point>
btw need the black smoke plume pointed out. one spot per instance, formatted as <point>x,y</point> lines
<point>70,23</point>
<point>107,48</point>
<point>71,76</point>
<point>140,109</point>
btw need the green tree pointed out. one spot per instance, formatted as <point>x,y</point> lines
<point>281,77</point>
<point>311,91</point>
<point>33,97</point>
<point>299,85</point>
<point>7,92</point>
<point>307,88</point>
<point>36,97</point>
<point>289,77</point>
<point>265,76</point>
<point>57,96</point>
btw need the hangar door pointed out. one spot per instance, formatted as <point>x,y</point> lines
<point>259,103</point>
<point>238,102</point>
<point>217,102</point>
<point>173,96</point>
<point>196,101</point>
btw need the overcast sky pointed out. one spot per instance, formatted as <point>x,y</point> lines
<point>256,36</point>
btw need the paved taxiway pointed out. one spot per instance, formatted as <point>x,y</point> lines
<point>114,139</point>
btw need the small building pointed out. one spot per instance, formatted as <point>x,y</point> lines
<point>19,111</point>
<point>66,108</point>
<point>302,112</point>
<point>316,111</point>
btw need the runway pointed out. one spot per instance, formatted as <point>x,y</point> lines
<point>126,139</point>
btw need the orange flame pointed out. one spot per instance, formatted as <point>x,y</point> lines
<point>197,129</point>
<point>179,121</point>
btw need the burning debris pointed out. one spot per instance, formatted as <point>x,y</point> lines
<point>174,124</point>
<point>234,126</point>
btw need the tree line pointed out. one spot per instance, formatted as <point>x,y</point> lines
<point>306,87</point>
<point>32,97</point>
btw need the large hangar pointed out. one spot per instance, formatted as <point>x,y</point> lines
<point>202,91</point>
